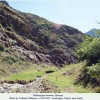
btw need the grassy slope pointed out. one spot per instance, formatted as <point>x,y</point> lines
<point>13,67</point>
<point>11,63</point>
<point>17,69</point>
<point>66,77</point>
<point>32,73</point>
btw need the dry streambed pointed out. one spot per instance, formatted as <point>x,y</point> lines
<point>33,87</point>
<point>37,86</point>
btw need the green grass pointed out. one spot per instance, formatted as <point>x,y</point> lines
<point>64,81</point>
<point>14,67</point>
<point>27,75</point>
<point>32,72</point>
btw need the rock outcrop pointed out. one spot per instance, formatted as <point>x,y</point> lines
<point>4,2</point>
<point>37,39</point>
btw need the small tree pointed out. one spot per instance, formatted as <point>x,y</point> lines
<point>90,50</point>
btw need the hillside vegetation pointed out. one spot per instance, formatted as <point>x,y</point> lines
<point>90,52</point>
<point>36,39</point>
<point>85,75</point>
<point>13,67</point>
<point>66,78</point>
<point>31,47</point>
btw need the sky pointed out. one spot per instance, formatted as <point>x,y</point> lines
<point>81,14</point>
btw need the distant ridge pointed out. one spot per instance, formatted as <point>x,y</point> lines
<point>91,32</point>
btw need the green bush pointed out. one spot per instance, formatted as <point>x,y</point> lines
<point>0,25</point>
<point>2,47</point>
<point>9,59</point>
<point>90,50</point>
<point>8,51</point>
<point>97,90</point>
<point>13,58</point>
<point>9,28</point>
<point>94,70</point>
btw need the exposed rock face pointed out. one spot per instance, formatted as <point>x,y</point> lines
<point>35,41</point>
<point>4,2</point>
<point>38,86</point>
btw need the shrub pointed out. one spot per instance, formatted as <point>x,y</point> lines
<point>97,89</point>
<point>13,58</point>
<point>90,50</point>
<point>9,59</point>
<point>94,70</point>
<point>0,25</point>
<point>2,47</point>
<point>9,29</point>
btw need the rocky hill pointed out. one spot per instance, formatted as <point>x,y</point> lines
<point>4,2</point>
<point>37,39</point>
<point>91,32</point>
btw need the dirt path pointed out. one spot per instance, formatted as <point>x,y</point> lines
<point>34,87</point>
<point>69,90</point>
